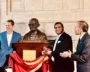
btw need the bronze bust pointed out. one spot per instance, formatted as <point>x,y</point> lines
<point>34,35</point>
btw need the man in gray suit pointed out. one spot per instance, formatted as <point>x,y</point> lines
<point>82,55</point>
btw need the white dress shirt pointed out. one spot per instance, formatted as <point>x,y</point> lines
<point>80,39</point>
<point>56,42</point>
<point>9,38</point>
<point>82,35</point>
<point>52,58</point>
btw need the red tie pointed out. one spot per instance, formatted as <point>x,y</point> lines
<point>78,41</point>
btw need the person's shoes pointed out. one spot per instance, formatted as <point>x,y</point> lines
<point>8,69</point>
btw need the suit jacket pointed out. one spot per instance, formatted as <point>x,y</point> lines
<point>63,64</point>
<point>4,49</point>
<point>82,55</point>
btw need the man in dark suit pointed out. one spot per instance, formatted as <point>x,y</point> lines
<point>82,55</point>
<point>62,43</point>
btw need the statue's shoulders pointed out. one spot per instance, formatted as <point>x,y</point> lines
<point>27,33</point>
<point>41,33</point>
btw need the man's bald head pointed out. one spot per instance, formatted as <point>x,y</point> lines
<point>34,24</point>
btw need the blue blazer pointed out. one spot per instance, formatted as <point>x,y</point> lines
<point>4,48</point>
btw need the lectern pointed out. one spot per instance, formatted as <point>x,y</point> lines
<point>19,47</point>
<point>36,46</point>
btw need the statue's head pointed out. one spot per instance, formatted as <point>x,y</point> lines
<point>33,24</point>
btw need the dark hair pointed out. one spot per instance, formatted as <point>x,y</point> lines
<point>83,25</point>
<point>59,23</point>
<point>11,21</point>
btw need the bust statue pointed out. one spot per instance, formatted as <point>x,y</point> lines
<point>34,35</point>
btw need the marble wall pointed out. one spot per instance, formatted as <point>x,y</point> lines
<point>47,12</point>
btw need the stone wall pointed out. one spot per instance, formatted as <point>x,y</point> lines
<point>47,12</point>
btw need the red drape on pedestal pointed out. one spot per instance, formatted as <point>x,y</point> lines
<point>18,64</point>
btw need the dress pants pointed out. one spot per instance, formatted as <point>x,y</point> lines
<point>2,69</point>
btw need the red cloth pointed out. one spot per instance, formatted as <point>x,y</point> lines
<point>46,67</point>
<point>18,64</point>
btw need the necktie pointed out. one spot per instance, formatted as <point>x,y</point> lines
<point>78,42</point>
<point>78,47</point>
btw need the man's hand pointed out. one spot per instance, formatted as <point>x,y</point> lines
<point>48,52</point>
<point>66,54</point>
